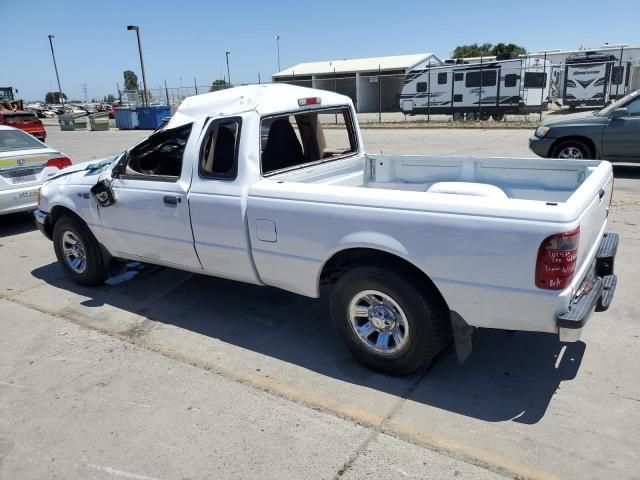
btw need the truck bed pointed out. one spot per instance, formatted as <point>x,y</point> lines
<point>524,179</point>
<point>475,244</point>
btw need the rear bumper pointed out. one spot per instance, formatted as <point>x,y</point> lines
<point>18,199</point>
<point>595,292</point>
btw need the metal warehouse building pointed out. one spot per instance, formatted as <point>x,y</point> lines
<point>374,84</point>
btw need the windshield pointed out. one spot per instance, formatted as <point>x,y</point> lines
<point>17,140</point>
<point>607,110</point>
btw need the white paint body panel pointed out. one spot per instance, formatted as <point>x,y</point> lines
<point>480,251</point>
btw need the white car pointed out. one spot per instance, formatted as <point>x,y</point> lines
<point>25,163</point>
<point>260,184</point>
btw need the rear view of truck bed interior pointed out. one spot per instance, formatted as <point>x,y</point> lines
<point>535,179</point>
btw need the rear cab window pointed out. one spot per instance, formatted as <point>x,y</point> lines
<point>298,139</point>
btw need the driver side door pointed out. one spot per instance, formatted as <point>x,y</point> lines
<point>149,220</point>
<point>621,136</point>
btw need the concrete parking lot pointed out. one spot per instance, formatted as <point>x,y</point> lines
<point>170,375</point>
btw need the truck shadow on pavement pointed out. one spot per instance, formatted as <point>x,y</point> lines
<point>509,375</point>
<point>16,224</point>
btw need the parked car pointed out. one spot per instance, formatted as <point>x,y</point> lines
<point>25,163</point>
<point>25,121</point>
<point>247,184</point>
<point>612,133</point>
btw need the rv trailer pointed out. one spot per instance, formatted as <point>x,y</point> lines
<point>587,80</point>
<point>478,89</point>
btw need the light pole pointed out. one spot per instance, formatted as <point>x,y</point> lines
<point>278,48</point>
<point>144,77</point>
<point>55,66</point>
<point>228,74</point>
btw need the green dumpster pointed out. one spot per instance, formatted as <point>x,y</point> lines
<point>72,121</point>
<point>99,122</point>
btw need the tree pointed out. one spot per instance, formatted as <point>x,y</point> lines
<point>508,48</point>
<point>53,97</point>
<point>130,81</point>
<point>487,49</point>
<point>218,85</point>
<point>108,99</point>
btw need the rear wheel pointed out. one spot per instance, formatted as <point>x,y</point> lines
<point>484,116</point>
<point>572,149</point>
<point>78,252</point>
<point>388,321</point>
<point>472,116</point>
<point>458,116</point>
<point>498,116</point>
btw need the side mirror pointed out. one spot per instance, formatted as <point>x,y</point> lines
<point>619,113</point>
<point>103,193</point>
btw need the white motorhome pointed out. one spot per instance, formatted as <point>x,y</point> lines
<point>478,89</point>
<point>592,79</point>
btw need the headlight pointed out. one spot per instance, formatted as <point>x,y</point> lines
<point>542,131</point>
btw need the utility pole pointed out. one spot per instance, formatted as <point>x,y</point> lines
<point>228,74</point>
<point>55,66</point>
<point>278,48</point>
<point>144,77</point>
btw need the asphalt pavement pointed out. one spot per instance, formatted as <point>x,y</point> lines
<point>170,375</point>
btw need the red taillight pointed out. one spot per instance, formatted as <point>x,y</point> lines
<point>557,259</point>
<point>60,162</point>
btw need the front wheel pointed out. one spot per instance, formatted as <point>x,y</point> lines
<point>389,323</point>
<point>572,149</point>
<point>78,252</point>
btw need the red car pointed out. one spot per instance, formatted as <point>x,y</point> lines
<point>25,121</point>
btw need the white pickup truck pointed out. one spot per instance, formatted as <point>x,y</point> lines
<point>271,185</point>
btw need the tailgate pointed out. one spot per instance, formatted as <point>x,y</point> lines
<point>596,195</point>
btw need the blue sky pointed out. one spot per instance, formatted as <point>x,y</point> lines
<point>189,38</point>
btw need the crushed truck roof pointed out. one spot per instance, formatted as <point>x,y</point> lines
<point>265,99</point>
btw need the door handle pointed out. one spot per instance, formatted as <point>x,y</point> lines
<point>169,200</point>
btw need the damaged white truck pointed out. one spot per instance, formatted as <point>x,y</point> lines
<point>271,185</point>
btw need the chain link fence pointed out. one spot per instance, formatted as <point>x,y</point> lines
<point>522,89</point>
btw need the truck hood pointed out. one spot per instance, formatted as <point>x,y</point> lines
<point>85,173</point>
<point>580,118</point>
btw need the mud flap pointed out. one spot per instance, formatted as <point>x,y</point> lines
<point>103,193</point>
<point>461,337</point>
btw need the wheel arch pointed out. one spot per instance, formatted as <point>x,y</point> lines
<point>580,138</point>
<point>56,213</point>
<point>348,257</point>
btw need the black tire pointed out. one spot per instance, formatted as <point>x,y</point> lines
<point>498,116</point>
<point>565,148</point>
<point>429,329</point>
<point>94,271</point>
<point>471,116</point>
<point>458,116</point>
<point>484,116</point>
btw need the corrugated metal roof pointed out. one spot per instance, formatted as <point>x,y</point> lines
<point>395,62</point>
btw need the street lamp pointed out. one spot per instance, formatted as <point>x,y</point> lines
<point>228,74</point>
<point>144,78</point>
<point>55,66</point>
<point>278,47</point>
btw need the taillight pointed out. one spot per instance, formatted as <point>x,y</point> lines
<point>557,258</point>
<point>60,162</point>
